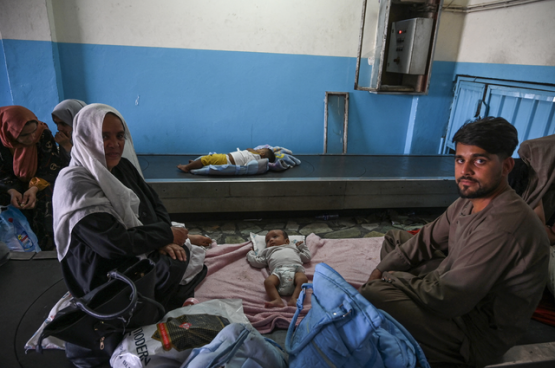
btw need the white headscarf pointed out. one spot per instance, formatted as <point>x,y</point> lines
<point>86,186</point>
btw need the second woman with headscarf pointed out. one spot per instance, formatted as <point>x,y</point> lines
<point>63,115</point>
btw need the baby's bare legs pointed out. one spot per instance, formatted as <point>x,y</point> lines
<point>200,240</point>
<point>271,284</point>
<point>192,165</point>
<point>300,279</point>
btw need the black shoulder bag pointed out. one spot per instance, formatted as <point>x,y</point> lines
<point>94,325</point>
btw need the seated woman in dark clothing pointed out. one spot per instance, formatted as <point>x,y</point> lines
<point>29,164</point>
<point>63,115</point>
<point>105,215</point>
<point>533,178</point>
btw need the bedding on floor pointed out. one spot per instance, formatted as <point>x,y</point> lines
<point>230,275</point>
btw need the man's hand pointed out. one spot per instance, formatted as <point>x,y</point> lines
<point>175,251</point>
<point>63,140</point>
<point>179,235</point>
<point>29,199</point>
<point>16,198</point>
<point>375,275</point>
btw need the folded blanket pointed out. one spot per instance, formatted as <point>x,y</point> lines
<point>284,158</point>
<point>230,275</point>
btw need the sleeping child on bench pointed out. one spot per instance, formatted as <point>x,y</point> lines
<point>233,158</point>
<point>286,267</point>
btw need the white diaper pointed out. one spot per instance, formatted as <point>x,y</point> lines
<point>286,276</point>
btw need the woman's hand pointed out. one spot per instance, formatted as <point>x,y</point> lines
<point>16,198</point>
<point>202,241</point>
<point>179,235</point>
<point>63,140</point>
<point>29,198</point>
<point>175,251</point>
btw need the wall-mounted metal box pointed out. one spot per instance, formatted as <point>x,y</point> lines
<point>395,66</point>
<point>410,43</point>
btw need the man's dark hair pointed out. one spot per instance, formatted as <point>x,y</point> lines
<point>285,236</point>
<point>494,135</point>
<point>271,155</point>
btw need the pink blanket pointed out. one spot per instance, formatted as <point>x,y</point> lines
<point>230,275</point>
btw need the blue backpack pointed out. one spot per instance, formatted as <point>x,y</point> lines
<point>342,329</point>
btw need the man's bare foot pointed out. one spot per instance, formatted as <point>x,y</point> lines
<point>274,304</point>
<point>292,302</point>
<point>184,168</point>
<point>202,241</point>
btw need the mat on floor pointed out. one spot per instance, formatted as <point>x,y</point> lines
<point>230,275</point>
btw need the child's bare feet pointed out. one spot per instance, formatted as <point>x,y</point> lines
<point>292,302</point>
<point>184,168</point>
<point>274,304</point>
<point>200,240</point>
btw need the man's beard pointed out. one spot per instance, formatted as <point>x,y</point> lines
<point>481,192</point>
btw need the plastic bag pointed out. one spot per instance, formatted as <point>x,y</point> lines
<point>16,232</point>
<point>50,342</point>
<point>142,347</point>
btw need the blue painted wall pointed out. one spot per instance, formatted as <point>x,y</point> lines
<point>524,73</point>
<point>431,113</point>
<point>32,76</point>
<point>5,94</point>
<point>183,101</point>
<point>195,101</point>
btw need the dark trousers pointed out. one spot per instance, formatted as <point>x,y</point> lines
<point>442,339</point>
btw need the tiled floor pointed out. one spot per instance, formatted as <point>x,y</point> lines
<point>331,225</point>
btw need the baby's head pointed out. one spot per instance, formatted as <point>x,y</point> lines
<point>276,237</point>
<point>267,153</point>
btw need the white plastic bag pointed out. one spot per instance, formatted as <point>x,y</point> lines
<point>139,349</point>
<point>50,342</point>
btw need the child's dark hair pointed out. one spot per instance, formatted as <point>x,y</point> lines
<point>271,155</point>
<point>285,236</point>
<point>494,135</point>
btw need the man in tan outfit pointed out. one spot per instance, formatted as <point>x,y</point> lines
<point>467,284</point>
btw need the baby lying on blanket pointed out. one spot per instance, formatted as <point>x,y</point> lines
<point>233,158</point>
<point>285,261</point>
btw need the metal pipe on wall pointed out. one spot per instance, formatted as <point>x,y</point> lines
<point>487,6</point>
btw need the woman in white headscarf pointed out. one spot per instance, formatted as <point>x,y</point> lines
<point>63,115</point>
<point>105,215</point>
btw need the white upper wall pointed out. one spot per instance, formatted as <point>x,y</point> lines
<point>516,35</point>
<point>24,20</point>
<point>449,36</point>
<point>312,27</point>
